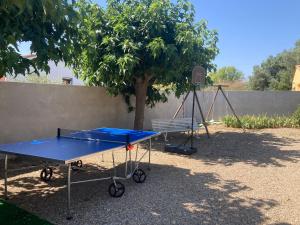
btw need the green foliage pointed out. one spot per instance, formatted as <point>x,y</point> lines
<point>34,78</point>
<point>46,25</point>
<point>264,121</point>
<point>153,40</point>
<point>296,115</point>
<point>13,215</point>
<point>276,73</point>
<point>227,73</point>
<point>41,78</point>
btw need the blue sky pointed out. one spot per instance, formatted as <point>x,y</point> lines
<point>252,30</point>
<point>249,30</point>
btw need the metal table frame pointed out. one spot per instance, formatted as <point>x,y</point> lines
<point>130,167</point>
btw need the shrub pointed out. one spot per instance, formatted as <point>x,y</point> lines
<point>264,121</point>
<point>296,115</point>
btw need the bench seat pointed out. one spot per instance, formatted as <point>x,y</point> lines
<point>166,126</point>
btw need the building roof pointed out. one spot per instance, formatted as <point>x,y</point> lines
<point>29,56</point>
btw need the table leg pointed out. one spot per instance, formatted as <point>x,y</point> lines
<point>69,191</point>
<point>136,156</point>
<point>131,171</point>
<point>150,147</point>
<point>114,165</point>
<point>126,163</point>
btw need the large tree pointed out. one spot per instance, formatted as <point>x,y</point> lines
<point>276,72</point>
<point>227,74</point>
<point>144,48</point>
<point>45,24</point>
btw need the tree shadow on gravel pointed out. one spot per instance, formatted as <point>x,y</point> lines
<point>227,148</point>
<point>170,195</point>
<point>281,224</point>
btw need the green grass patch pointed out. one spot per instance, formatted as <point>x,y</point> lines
<point>264,121</point>
<point>13,215</point>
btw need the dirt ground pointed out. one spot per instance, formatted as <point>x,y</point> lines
<point>234,178</point>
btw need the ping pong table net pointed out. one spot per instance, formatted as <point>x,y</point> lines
<point>93,135</point>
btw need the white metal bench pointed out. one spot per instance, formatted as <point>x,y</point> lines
<point>166,126</point>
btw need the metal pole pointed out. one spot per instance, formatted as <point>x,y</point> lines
<point>126,162</point>
<point>150,148</point>
<point>69,191</point>
<point>114,166</point>
<point>238,119</point>
<point>177,111</point>
<point>136,155</point>
<point>193,112</point>
<point>211,106</point>
<point>5,177</point>
<point>202,116</point>
<point>130,162</point>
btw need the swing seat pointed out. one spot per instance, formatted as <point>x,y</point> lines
<point>165,126</point>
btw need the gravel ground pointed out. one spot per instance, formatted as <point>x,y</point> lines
<point>234,178</point>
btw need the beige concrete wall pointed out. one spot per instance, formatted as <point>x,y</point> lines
<point>243,102</point>
<point>36,110</point>
<point>255,102</point>
<point>29,111</point>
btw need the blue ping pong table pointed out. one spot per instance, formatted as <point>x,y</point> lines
<point>69,147</point>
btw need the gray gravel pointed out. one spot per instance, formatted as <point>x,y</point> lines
<point>234,178</point>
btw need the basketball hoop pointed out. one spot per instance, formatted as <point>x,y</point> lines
<point>198,79</point>
<point>198,75</point>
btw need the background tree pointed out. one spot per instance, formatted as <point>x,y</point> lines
<point>136,47</point>
<point>41,78</point>
<point>45,24</point>
<point>276,73</point>
<point>227,73</point>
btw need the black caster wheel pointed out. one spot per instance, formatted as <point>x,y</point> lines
<point>79,163</point>
<point>116,190</point>
<point>76,165</point>
<point>139,176</point>
<point>46,174</point>
<point>69,217</point>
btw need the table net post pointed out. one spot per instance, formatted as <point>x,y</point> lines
<point>58,132</point>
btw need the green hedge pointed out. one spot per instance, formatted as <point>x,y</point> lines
<point>264,121</point>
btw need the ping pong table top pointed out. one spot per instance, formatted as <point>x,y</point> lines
<point>65,150</point>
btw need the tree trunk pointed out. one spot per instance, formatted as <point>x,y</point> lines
<point>141,85</point>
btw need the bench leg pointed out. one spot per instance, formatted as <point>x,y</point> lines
<point>166,136</point>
